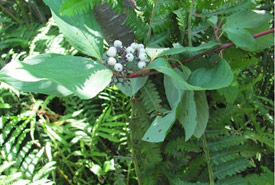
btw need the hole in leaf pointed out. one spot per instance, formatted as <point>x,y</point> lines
<point>160,130</point>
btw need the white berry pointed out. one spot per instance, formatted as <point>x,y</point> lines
<point>135,45</point>
<point>141,46</point>
<point>117,43</point>
<point>142,56</point>
<point>130,57</point>
<point>130,50</point>
<point>111,61</point>
<point>111,52</point>
<point>141,50</point>
<point>118,67</point>
<point>141,64</point>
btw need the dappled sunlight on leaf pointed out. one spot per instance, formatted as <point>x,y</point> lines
<point>62,74</point>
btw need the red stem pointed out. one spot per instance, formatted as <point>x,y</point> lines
<point>224,46</point>
<point>263,33</point>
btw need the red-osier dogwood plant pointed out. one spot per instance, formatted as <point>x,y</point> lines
<point>128,67</point>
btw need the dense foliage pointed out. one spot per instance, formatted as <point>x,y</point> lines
<point>208,119</point>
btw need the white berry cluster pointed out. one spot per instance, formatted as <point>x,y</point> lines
<point>126,59</point>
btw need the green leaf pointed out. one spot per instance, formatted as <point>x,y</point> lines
<point>82,76</point>
<point>160,127</point>
<point>202,113</point>
<point>214,77</point>
<point>188,113</point>
<point>154,52</point>
<point>173,94</point>
<point>109,165</point>
<point>263,41</point>
<point>5,106</point>
<point>82,31</point>
<point>246,19</point>
<point>164,67</point>
<point>212,20</point>
<point>241,38</point>
<point>96,169</point>
<point>206,78</point>
<point>158,52</point>
<point>133,87</point>
<point>42,86</point>
<point>230,93</point>
<point>108,136</point>
<point>188,50</point>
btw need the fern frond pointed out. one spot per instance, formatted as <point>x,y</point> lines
<point>28,159</point>
<point>225,142</point>
<point>229,8</point>
<point>44,171</point>
<point>222,116</point>
<point>161,39</point>
<point>171,5</point>
<point>7,124</point>
<point>181,182</point>
<point>11,179</point>
<point>140,121</point>
<point>211,134</point>
<point>232,153</point>
<point>96,125</point>
<point>27,171</point>
<point>241,59</point>
<point>235,180</point>
<point>16,145</point>
<point>177,146</point>
<point>73,7</point>
<point>12,136</point>
<point>195,168</point>
<point>162,22</point>
<point>151,153</point>
<point>50,40</point>
<point>13,42</point>
<point>22,32</point>
<point>231,168</point>
<point>181,19</point>
<point>198,30</point>
<point>112,133</point>
<point>136,24</point>
<point>6,165</point>
<point>150,179</point>
<point>151,99</point>
<point>87,109</point>
<point>262,137</point>
<point>265,178</point>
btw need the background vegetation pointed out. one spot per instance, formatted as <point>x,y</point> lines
<point>52,140</point>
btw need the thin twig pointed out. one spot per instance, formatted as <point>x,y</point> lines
<point>9,13</point>
<point>190,24</point>
<point>216,31</point>
<point>152,21</point>
<point>207,157</point>
<point>134,151</point>
<point>64,176</point>
<point>23,10</point>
